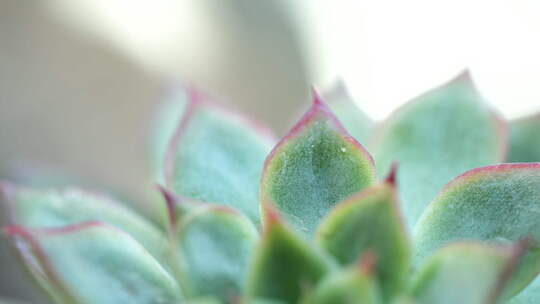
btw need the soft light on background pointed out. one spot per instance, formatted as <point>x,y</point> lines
<point>387,51</point>
<point>80,81</point>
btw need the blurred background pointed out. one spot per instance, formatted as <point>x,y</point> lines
<point>81,81</point>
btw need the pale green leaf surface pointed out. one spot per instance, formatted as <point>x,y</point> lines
<point>314,167</point>
<point>284,263</point>
<point>217,156</point>
<point>525,140</point>
<point>498,204</point>
<point>464,273</point>
<point>370,221</point>
<point>56,208</point>
<point>214,249</point>
<point>94,263</point>
<point>436,137</point>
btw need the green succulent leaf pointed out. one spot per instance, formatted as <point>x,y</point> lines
<point>465,273</point>
<point>217,156</point>
<point>213,252</point>
<point>93,263</point>
<point>436,137</point>
<point>498,204</point>
<point>314,167</point>
<point>530,295</point>
<point>524,140</point>
<point>37,208</point>
<point>353,285</point>
<point>357,123</point>
<point>370,221</point>
<point>284,264</point>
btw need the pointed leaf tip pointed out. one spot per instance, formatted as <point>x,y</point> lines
<point>317,99</point>
<point>370,221</point>
<point>170,201</point>
<point>316,165</point>
<point>463,77</point>
<point>424,134</point>
<point>368,262</point>
<point>391,178</point>
<point>196,96</point>
<point>284,263</point>
<point>271,216</point>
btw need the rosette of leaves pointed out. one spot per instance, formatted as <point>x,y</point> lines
<point>419,208</point>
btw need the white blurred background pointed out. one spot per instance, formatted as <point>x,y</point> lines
<point>80,80</point>
<point>387,51</point>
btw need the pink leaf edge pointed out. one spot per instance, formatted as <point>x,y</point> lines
<point>500,124</point>
<point>476,172</point>
<point>318,110</point>
<point>198,100</point>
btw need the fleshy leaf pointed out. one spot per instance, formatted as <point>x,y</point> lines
<point>214,247</point>
<point>37,208</point>
<point>314,167</point>
<point>436,137</point>
<point>217,156</point>
<point>354,285</point>
<point>498,204</point>
<point>357,123</point>
<point>93,262</point>
<point>524,140</point>
<point>284,263</point>
<point>465,273</point>
<point>370,221</point>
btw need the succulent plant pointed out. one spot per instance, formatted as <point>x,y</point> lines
<point>433,217</point>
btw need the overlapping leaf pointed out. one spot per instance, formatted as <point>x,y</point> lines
<point>56,208</point>
<point>217,156</point>
<point>370,221</point>
<point>93,263</point>
<point>284,264</point>
<point>214,246</point>
<point>353,285</point>
<point>436,137</point>
<point>465,273</point>
<point>498,204</point>
<point>314,167</point>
